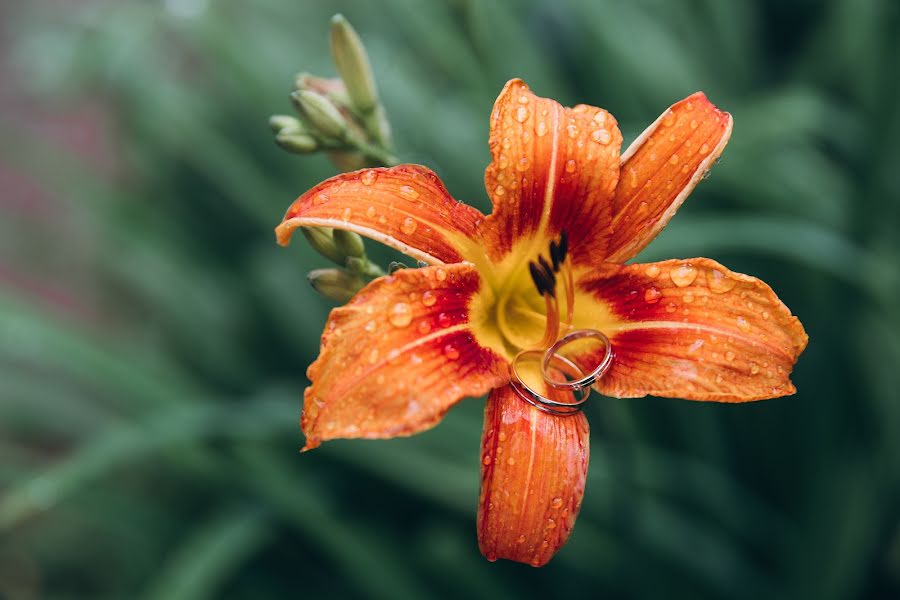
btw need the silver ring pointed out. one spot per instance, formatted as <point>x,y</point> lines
<point>540,401</point>
<point>586,381</point>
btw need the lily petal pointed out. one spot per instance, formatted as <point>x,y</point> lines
<point>661,168</point>
<point>405,207</point>
<point>691,329</point>
<point>533,472</point>
<point>397,357</point>
<point>553,169</point>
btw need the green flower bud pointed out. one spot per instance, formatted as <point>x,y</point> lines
<point>321,113</point>
<point>337,284</point>
<point>352,64</point>
<point>349,243</point>
<point>279,123</point>
<point>299,143</point>
<point>322,241</point>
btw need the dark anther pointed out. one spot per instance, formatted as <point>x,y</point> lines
<point>563,245</point>
<point>554,255</point>
<point>550,275</point>
<point>539,277</point>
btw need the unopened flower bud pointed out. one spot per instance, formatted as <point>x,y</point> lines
<point>321,113</point>
<point>352,64</point>
<point>299,143</point>
<point>349,243</point>
<point>337,284</point>
<point>321,240</point>
<point>286,123</point>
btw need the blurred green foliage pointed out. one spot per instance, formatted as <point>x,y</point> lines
<point>153,338</point>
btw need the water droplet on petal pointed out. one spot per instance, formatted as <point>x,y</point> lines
<point>556,503</point>
<point>540,129</point>
<point>572,130</point>
<point>601,136</point>
<point>370,212</point>
<point>499,190</point>
<point>673,159</point>
<point>409,192</point>
<point>719,282</point>
<point>600,117</point>
<point>522,164</point>
<point>694,124</point>
<point>652,295</point>
<point>346,214</point>
<point>670,307</point>
<point>521,114</point>
<point>669,119</point>
<point>320,199</point>
<point>521,539</point>
<point>683,275</point>
<point>511,461</point>
<point>743,325</point>
<point>487,459</point>
<point>652,271</point>
<point>704,149</point>
<point>729,356</point>
<point>450,351</point>
<point>400,315</point>
<point>754,368</point>
<point>408,225</point>
<point>570,166</point>
<point>551,524</point>
<point>428,298</point>
<point>688,298</point>
<point>424,327</point>
<point>370,326</point>
<point>368,177</point>
<point>689,106</point>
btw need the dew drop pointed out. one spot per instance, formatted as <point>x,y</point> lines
<point>601,136</point>
<point>502,436</point>
<point>521,114</point>
<point>368,177</point>
<point>754,368</point>
<point>673,159</point>
<point>521,539</point>
<point>556,503</point>
<point>670,307</point>
<point>683,275</point>
<point>522,164</point>
<point>652,295</point>
<point>450,351</point>
<point>511,461</point>
<point>444,320</point>
<point>487,459</point>
<point>409,192</point>
<point>499,190</point>
<point>694,124</point>
<point>669,119</point>
<point>373,356</point>
<point>370,212</point>
<point>346,214</point>
<point>729,356</point>
<point>704,149</point>
<point>572,130</point>
<point>570,165</point>
<point>600,117</point>
<point>689,106</point>
<point>523,99</point>
<point>743,325</point>
<point>503,161</point>
<point>428,298</point>
<point>424,327</point>
<point>719,282</point>
<point>320,199</point>
<point>440,274</point>
<point>400,315</point>
<point>551,524</point>
<point>765,315</point>
<point>652,271</point>
<point>688,298</point>
<point>541,129</point>
<point>408,226</point>
<point>718,379</point>
<point>370,326</point>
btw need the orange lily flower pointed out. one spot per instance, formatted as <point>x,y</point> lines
<point>411,345</point>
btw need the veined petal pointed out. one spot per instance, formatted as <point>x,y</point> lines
<point>397,357</point>
<point>405,207</point>
<point>533,472</point>
<point>553,169</point>
<point>661,168</point>
<point>691,329</point>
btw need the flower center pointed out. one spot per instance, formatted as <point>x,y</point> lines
<point>530,306</point>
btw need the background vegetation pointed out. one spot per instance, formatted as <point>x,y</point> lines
<point>154,339</point>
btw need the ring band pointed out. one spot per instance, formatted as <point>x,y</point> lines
<point>587,380</point>
<point>540,401</point>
